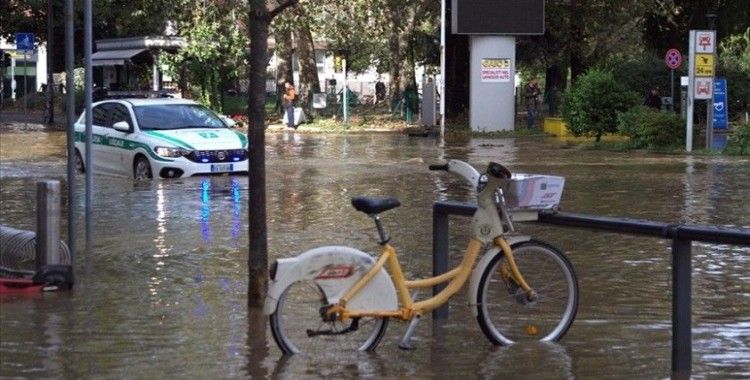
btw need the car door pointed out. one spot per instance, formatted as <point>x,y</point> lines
<point>120,143</point>
<point>99,139</point>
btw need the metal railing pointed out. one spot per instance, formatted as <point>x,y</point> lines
<point>682,236</point>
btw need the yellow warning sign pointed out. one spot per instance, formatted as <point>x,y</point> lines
<point>704,65</point>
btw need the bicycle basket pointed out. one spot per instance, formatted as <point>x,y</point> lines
<point>533,191</point>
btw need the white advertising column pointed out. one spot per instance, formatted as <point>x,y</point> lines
<point>493,70</point>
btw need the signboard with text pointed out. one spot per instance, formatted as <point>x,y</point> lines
<point>704,65</point>
<point>720,104</point>
<point>495,70</point>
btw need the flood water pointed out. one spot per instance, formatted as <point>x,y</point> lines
<point>163,292</point>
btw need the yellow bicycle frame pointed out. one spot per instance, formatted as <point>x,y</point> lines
<point>457,277</point>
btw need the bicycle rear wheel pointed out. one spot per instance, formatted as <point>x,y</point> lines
<point>506,315</point>
<point>298,326</point>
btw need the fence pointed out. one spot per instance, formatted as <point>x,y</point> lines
<point>682,236</point>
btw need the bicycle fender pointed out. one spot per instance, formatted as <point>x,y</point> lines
<point>334,269</point>
<point>476,275</point>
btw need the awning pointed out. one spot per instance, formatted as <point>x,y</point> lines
<point>113,57</point>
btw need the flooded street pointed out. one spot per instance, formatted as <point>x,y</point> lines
<point>163,293</point>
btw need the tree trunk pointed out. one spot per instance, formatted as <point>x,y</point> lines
<point>259,20</point>
<point>309,83</point>
<point>284,69</point>
<point>457,77</point>
<point>576,41</point>
<point>457,71</point>
<point>394,47</point>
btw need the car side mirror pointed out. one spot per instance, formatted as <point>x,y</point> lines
<point>122,126</point>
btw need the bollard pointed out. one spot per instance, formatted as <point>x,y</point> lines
<point>47,223</point>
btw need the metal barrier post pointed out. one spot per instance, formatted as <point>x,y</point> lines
<point>47,223</point>
<point>682,348</point>
<point>439,254</point>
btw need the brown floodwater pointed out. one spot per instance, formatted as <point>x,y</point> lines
<point>163,291</point>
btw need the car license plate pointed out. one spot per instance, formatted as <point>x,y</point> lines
<point>218,168</point>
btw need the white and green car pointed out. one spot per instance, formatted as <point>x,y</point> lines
<point>163,138</point>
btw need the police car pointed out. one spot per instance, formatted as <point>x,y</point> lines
<point>163,138</point>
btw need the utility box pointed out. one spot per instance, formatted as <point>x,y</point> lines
<point>429,117</point>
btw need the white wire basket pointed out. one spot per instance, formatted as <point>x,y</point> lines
<point>533,192</point>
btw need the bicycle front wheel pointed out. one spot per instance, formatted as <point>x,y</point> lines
<point>505,312</point>
<point>298,325</point>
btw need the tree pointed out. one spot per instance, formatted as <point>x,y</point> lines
<point>261,13</point>
<point>214,53</point>
<point>591,106</point>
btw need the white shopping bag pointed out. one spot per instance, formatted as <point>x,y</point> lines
<point>299,116</point>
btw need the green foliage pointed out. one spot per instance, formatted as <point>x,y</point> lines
<point>640,73</point>
<point>215,51</point>
<point>739,142</point>
<point>734,65</point>
<point>591,105</point>
<point>650,128</point>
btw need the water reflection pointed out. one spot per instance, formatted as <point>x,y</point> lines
<point>164,291</point>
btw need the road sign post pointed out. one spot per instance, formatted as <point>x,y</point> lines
<point>700,83</point>
<point>25,43</point>
<point>673,59</point>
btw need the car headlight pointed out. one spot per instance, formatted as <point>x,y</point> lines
<point>166,151</point>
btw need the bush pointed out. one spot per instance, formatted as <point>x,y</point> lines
<point>650,128</point>
<point>739,142</point>
<point>591,105</point>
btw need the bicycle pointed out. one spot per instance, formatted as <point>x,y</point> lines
<point>339,298</point>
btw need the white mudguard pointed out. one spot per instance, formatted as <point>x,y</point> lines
<point>335,269</point>
<point>476,275</point>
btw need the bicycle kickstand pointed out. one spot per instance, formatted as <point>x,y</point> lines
<point>405,343</point>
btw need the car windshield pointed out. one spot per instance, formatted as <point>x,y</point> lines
<point>176,116</point>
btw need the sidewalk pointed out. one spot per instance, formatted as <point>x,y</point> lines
<point>32,120</point>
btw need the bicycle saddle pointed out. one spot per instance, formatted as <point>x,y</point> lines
<point>374,205</point>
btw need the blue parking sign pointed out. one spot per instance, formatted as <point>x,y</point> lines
<point>24,41</point>
<point>720,103</point>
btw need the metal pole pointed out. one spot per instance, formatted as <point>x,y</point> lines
<point>442,68</point>
<point>671,88</point>
<point>439,254</point>
<point>709,123</point>
<point>681,298</point>
<point>345,97</point>
<point>691,92</point>
<point>25,87</point>
<point>70,109</point>
<point>50,77</point>
<point>88,86</point>
<point>47,223</point>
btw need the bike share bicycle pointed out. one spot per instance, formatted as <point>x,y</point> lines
<point>338,298</point>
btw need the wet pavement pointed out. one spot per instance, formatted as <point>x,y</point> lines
<point>163,293</point>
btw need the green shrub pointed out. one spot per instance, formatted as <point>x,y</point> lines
<point>591,105</point>
<point>739,142</point>
<point>650,128</point>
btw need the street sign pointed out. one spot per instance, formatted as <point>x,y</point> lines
<point>705,41</point>
<point>703,87</point>
<point>721,108</point>
<point>673,58</point>
<point>25,41</point>
<point>704,65</point>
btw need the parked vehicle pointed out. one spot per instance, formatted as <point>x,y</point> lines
<point>164,138</point>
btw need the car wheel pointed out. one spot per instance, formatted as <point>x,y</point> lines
<point>80,168</point>
<point>142,169</point>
